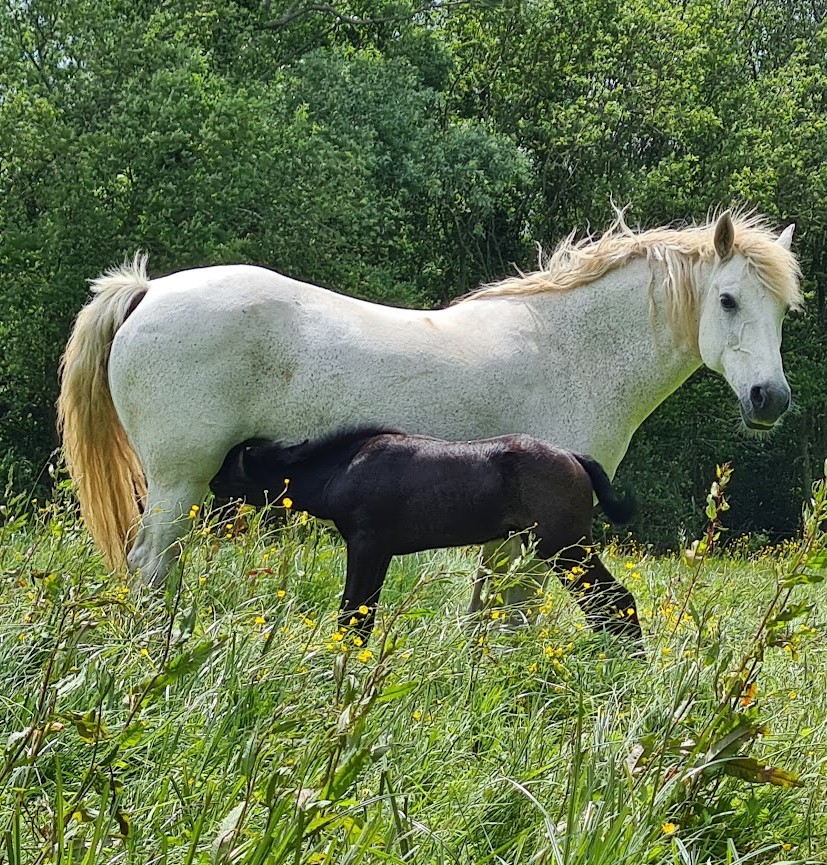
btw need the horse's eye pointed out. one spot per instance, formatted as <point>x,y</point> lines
<point>728,301</point>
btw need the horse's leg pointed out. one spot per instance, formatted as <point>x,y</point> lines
<point>367,566</point>
<point>520,596</point>
<point>163,522</point>
<point>490,553</point>
<point>495,558</point>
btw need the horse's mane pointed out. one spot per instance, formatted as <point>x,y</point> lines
<point>678,251</point>
<point>342,443</point>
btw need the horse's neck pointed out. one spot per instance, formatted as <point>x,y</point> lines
<point>625,355</point>
<point>653,361</point>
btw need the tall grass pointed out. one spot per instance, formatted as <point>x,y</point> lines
<point>225,723</point>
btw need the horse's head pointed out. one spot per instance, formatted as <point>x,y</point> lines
<point>740,325</point>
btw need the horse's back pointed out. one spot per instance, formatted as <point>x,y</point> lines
<point>200,352</point>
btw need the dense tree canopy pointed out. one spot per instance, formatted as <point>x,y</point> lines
<point>405,151</point>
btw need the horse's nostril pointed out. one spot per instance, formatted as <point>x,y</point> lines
<point>758,396</point>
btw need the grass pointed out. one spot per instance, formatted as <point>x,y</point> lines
<point>223,723</point>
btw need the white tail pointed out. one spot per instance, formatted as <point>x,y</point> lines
<point>101,461</point>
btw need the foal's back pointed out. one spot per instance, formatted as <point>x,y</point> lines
<point>420,492</point>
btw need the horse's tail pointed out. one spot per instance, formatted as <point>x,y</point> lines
<point>616,509</point>
<point>101,461</point>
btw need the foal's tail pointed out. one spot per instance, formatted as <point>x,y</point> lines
<point>100,459</point>
<point>616,509</point>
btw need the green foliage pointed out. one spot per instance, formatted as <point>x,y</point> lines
<point>226,723</point>
<point>405,152</point>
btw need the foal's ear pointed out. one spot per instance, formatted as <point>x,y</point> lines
<point>785,239</point>
<point>724,238</point>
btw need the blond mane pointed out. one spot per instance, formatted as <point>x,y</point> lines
<point>678,252</point>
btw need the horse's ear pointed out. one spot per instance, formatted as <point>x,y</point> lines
<point>785,239</point>
<point>724,236</point>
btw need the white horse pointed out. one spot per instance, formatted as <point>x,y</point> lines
<point>162,377</point>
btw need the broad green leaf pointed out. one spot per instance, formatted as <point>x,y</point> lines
<point>752,770</point>
<point>728,745</point>
<point>226,831</point>
<point>794,611</point>
<point>132,734</point>
<point>187,662</point>
<point>89,725</point>
<point>347,774</point>
<point>396,692</point>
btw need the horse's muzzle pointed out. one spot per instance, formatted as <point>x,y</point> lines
<point>767,402</point>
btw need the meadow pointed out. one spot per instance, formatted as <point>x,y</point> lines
<point>227,722</point>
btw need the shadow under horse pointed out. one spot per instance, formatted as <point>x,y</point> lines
<point>389,494</point>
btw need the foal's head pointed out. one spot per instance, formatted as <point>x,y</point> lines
<point>249,471</point>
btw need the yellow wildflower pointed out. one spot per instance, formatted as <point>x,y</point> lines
<point>280,593</point>
<point>748,697</point>
<point>260,620</point>
<point>357,641</point>
<point>363,610</point>
<point>287,502</point>
<point>193,512</point>
<point>669,828</point>
<point>308,622</point>
<point>365,655</point>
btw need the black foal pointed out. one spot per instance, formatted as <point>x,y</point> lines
<point>389,493</point>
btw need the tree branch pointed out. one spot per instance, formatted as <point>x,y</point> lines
<point>297,11</point>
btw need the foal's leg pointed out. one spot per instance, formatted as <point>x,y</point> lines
<point>607,605</point>
<point>367,566</point>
